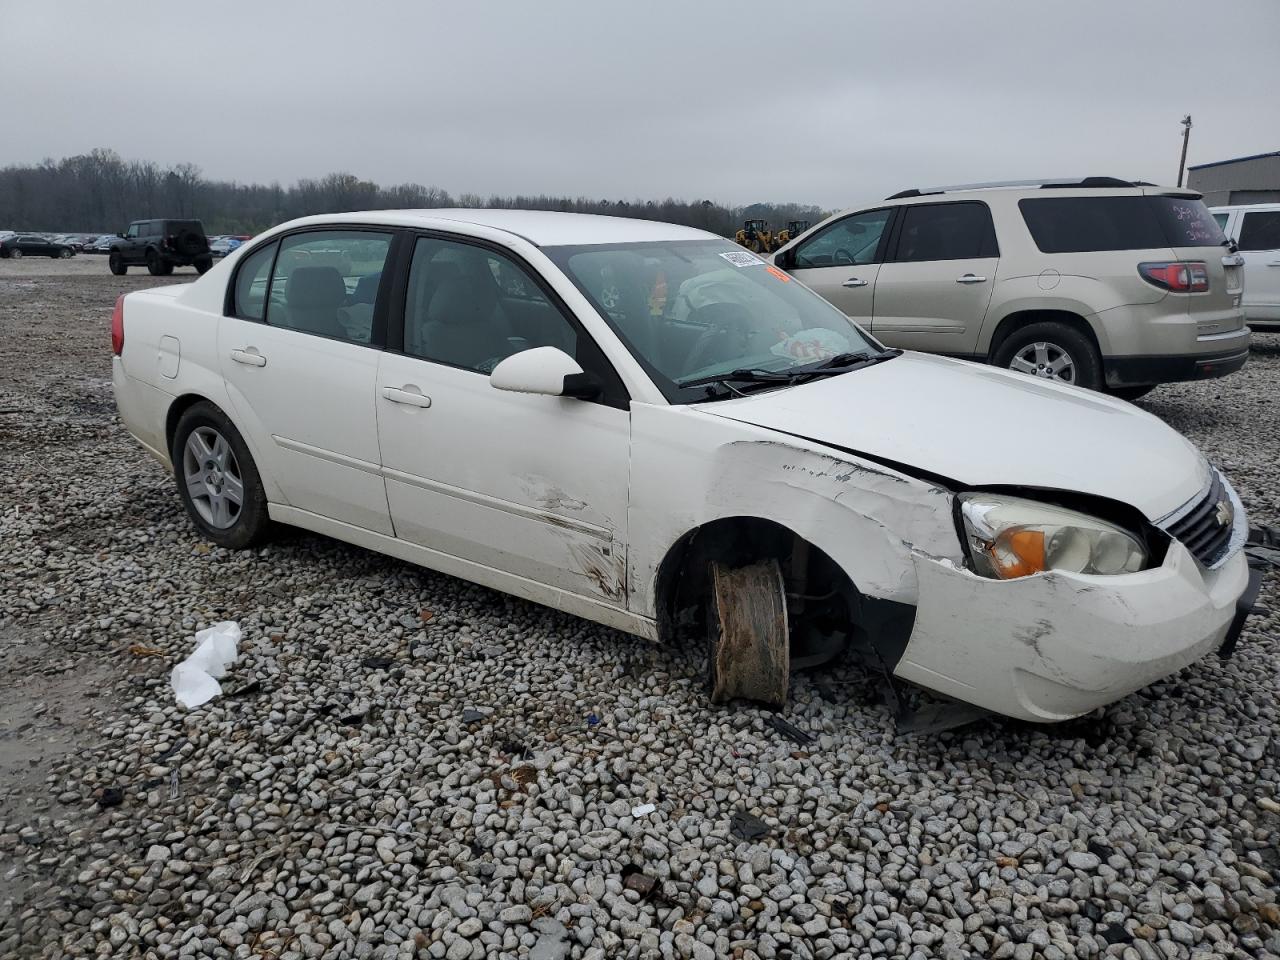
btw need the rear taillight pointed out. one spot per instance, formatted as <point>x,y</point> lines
<point>1179,276</point>
<point>117,327</point>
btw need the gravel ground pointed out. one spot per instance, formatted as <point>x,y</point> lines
<point>405,765</point>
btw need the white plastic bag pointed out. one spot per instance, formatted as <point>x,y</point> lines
<point>195,679</point>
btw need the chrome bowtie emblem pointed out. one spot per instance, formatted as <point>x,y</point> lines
<point>1224,514</point>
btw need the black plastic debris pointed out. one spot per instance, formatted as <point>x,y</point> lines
<point>746,826</point>
<point>111,797</point>
<point>472,716</point>
<point>790,731</point>
<point>515,749</point>
<point>377,663</point>
<point>1263,547</point>
<point>1100,850</point>
<point>1115,933</point>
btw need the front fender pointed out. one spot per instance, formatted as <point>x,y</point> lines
<point>690,469</point>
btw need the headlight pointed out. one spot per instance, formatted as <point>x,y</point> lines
<point>1008,537</point>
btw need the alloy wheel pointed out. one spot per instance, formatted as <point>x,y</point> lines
<point>1045,360</point>
<point>213,479</point>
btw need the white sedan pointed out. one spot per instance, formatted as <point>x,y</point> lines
<point>647,426</point>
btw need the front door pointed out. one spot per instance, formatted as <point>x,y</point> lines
<point>533,486</point>
<point>841,262</point>
<point>302,382</point>
<point>934,288</point>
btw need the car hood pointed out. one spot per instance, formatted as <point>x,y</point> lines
<point>980,426</point>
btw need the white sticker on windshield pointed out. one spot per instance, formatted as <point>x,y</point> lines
<point>743,258</point>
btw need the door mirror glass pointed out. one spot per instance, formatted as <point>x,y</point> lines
<point>548,371</point>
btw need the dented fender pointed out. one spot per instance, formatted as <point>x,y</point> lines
<point>867,517</point>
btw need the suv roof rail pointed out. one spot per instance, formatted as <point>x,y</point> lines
<point>1053,184</point>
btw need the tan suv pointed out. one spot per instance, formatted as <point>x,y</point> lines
<point>1098,282</point>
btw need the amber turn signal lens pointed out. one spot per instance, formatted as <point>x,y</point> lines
<point>1018,552</point>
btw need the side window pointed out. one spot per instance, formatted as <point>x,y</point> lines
<point>132,232</point>
<point>1260,230</point>
<point>946,231</point>
<point>1222,219</point>
<point>252,278</point>
<point>852,241</point>
<point>470,307</point>
<point>326,283</point>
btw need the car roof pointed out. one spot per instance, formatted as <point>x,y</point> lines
<point>543,228</point>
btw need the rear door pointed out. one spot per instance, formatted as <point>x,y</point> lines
<point>934,288</point>
<point>1258,237</point>
<point>841,261</point>
<point>299,354</point>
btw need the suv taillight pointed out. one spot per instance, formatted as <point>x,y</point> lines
<point>1179,276</point>
<point>117,327</point>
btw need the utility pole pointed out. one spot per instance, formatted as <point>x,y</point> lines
<point>1186,135</point>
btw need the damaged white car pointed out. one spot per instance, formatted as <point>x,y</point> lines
<point>649,427</point>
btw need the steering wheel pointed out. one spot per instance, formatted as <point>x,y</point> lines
<point>842,252</point>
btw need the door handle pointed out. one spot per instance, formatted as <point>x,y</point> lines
<point>970,278</point>
<point>854,282</point>
<point>249,357</point>
<point>410,396</point>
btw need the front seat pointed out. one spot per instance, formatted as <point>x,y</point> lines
<point>312,297</point>
<point>465,326</point>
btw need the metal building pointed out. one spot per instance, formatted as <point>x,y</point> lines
<point>1254,179</point>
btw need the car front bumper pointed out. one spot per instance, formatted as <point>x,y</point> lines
<point>1054,646</point>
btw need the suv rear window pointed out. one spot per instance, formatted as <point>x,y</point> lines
<point>180,226</point>
<point>1084,224</point>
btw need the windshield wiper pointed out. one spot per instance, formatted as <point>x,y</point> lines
<point>840,363</point>
<point>741,375</point>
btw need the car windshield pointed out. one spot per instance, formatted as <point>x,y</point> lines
<point>691,310</point>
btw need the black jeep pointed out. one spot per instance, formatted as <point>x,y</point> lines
<point>161,245</point>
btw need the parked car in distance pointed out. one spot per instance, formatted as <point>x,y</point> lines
<point>508,397</point>
<point>161,245</point>
<point>1255,229</point>
<point>75,243</point>
<point>221,246</point>
<point>1096,282</point>
<point>33,245</point>
<point>102,243</point>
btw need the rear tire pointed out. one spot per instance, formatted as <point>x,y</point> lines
<point>214,469</point>
<point>166,268</point>
<point>64,254</point>
<point>154,266</point>
<point>15,254</point>
<point>204,265</point>
<point>117,265</point>
<point>1132,393</point>
<point>1038,348</point>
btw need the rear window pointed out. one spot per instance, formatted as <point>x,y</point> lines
<point>1085,224</point>
<point>180,226</point>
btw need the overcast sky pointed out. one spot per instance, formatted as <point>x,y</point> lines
<point>832,103</point>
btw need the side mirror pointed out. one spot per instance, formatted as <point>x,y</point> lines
<point>120,235</point>
<point>785,259</point>
<point>548,371</point>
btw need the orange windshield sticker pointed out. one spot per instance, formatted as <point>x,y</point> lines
<point>778,273</point>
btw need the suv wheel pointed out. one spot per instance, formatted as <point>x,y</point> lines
<point>1052,351</point>
<point>217,478</point>
<point>154,266</point>
<point>204,264</point>
<point>117,265</point>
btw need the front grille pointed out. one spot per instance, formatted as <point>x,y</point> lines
<point>1201,529</point>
